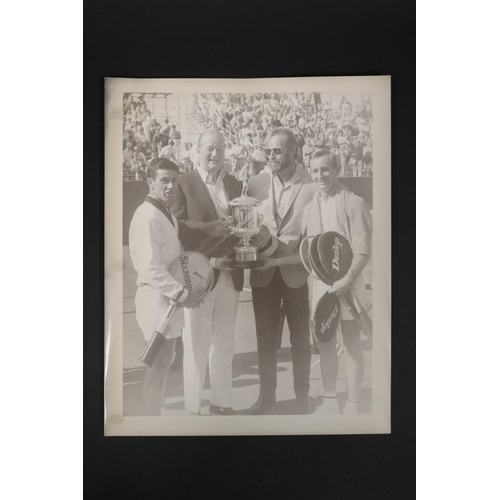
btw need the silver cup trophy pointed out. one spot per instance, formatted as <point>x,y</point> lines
<point>245,223</point>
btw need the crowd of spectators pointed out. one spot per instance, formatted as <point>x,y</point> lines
<point>144,138</point>
<point>245,120</point>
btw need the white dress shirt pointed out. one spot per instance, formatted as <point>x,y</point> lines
<point>216,191</point>
<point>281,192</point>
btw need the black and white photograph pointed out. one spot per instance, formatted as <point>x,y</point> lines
<point>247,250</point>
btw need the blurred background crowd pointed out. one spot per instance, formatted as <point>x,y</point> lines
<point>318,121</point>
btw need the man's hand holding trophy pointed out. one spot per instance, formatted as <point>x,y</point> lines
<point>256,241</point>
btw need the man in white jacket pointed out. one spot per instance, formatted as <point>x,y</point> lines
<point>154,245</point>
<point>336,208</point>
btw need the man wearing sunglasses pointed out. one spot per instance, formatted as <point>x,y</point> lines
<point>285,190</point>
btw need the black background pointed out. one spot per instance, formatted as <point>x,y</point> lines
<point>252,39</point>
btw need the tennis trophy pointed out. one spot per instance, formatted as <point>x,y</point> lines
<point>245,223</point>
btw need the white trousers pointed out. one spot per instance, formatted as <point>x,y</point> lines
<point>208,337</point>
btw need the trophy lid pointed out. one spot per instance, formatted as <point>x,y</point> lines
<point>244,201</point>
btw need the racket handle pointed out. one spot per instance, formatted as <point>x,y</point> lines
<point>358,313</point>
<point>166,318</point>
<point>155,343</point>
<point>152,349</point>
<point>365,319</point>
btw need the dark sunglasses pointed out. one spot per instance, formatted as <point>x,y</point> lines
<point>277,151</point>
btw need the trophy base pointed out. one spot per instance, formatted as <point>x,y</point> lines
<point>255,264</point>
<point>246,257</point>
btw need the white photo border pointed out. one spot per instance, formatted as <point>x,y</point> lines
<point>378,421</point>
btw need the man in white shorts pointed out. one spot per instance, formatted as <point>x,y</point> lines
<point>335,208</point>
<point>154,245</point>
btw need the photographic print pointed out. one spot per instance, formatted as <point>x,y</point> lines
<point>247,250</point>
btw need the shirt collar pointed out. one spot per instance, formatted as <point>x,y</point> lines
<point>160,206</point>
<point>297,175</point>
<point>206,177</point>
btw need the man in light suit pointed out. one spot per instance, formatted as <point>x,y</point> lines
<point>202,199</point>
<point>154,245</point>
<point>285,190</point>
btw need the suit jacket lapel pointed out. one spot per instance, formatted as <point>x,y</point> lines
<point>294,191</point>
<point>204,199</point>
<point>262,189</point>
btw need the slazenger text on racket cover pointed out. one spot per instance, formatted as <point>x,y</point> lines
<point>185,271</point>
